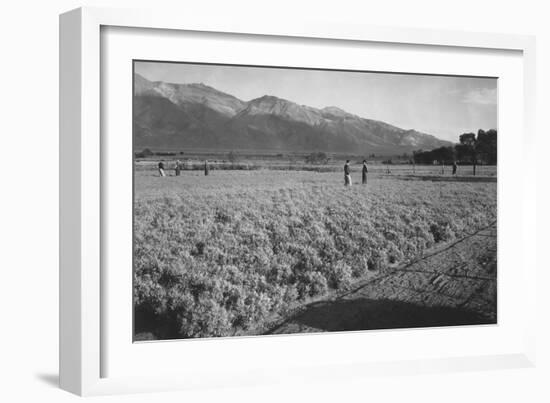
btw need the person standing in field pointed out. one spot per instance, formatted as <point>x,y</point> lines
<point>347,175</point>
<point>178,168</point>
<point>206,168</point>
<point>454,167</point>
<point>161,169</point>
<point>365,172</point>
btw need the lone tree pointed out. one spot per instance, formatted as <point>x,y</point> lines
<point>467,149</point>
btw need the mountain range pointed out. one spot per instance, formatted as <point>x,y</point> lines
<point>183,116</point>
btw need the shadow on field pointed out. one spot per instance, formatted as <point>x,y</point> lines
<point>147,326</point>
<point>369,314</point>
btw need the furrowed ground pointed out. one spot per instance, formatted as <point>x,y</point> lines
<point>233,252</point>
<point>452,285</point>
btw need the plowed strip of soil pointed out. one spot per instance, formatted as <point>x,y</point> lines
<point>455,284</point>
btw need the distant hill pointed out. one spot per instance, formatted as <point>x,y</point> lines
<point>198,116</point>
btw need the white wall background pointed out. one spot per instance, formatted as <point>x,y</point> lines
<point>29,201</point>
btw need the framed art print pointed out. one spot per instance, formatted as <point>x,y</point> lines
<point>236,199</point>
<point>273,216</point>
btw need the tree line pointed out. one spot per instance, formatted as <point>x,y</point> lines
<point>471,149</point>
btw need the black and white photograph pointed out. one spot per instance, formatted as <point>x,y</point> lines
<point>279,200</point>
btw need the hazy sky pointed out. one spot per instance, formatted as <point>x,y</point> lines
<point>438,105</point>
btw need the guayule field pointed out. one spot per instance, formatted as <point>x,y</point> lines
<point>234,252</point>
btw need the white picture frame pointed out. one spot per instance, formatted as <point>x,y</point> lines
<point>82,307</point>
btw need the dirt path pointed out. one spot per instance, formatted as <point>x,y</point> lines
<point>452,285</point>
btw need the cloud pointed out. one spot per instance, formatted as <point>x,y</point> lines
<point>481,96</point>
